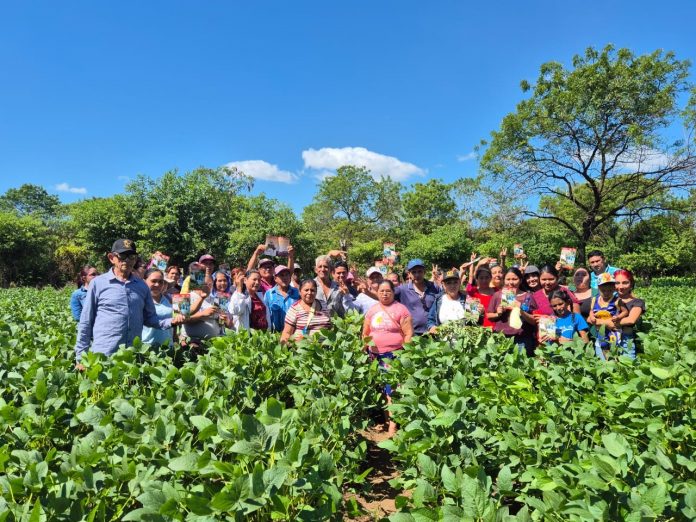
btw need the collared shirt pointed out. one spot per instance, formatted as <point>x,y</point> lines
<point>418,306</point>
<point>114,313</point>
<point>278,305</point>
<point>76,300</point>
<point>594,277</point>
<point>336,302</point>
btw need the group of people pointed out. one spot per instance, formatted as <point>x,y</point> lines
<point>132,301</point>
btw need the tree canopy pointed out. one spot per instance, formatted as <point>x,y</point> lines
<point>597,138</point>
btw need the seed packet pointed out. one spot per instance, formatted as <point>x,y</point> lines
<point>196,279</point>
<point>390,255</point>
<point>383,267</point>
<point>472,309</point>
<point>181,304</point>
<point>518,250</point>
<point>568,257</point>
<point>547,327</point>
<point>222,300</point>
<point>509,296</point>
<point>277,246</point>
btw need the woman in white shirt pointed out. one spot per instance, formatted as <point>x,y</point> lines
<point>449,305</point>
<point>246,305</point>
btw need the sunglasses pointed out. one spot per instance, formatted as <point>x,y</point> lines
<point>125,257</point>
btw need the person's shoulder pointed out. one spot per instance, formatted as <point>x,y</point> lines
<point>399,307</point>
<point>612,269</point>
<point>294,292</point>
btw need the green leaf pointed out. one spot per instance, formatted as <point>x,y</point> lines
<point>427,466</point>
<point>655,498</point>
<point>449,480</point>
<point>504,480</point>
<point>201,422</point>
<point>660,373</point>
<point>615,444</point>
<point>187,462</point>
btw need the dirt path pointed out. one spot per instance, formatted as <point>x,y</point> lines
<point>377,496</point>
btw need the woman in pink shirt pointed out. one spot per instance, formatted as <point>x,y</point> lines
<point>390,326</point>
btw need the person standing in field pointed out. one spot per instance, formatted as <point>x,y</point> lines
<point>116,307</point>
<point>78,296</point>
<point>598,265</point>
<point>280,298</point>
<point>418,295</point>
<point>154,279</point>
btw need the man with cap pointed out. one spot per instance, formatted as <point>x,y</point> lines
<point>367,290</point>
<point>280,298</point>
<point>266,266</point>
<point>418,295</point>
<point>296,276</point>
<point>117,306</point>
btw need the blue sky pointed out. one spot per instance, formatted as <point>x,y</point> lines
<point>94,93</point>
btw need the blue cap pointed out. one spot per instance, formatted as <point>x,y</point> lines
<point>413,263</point>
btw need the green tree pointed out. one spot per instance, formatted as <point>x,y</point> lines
<point>31,200</point>
<point>352,206</point>
<point>595,136</point>
<point>25,249</point>
<point>96,223</point>
<point>258,216</point>
<point>427,206</point>
<point>187,215</point>
<point>447,246</point>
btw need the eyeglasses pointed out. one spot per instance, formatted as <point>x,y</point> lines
<point>125,257</point>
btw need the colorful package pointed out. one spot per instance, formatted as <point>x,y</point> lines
<point>181,304</point>
<point>509,296</point>
<point>547,327</point>
<point>568,257</point>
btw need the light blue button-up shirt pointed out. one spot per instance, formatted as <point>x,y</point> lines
<point>114,312</point>
<point>279,305</point>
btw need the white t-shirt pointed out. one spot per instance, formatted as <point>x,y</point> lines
<point>450,309</point>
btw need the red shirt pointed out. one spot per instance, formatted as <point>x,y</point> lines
<point>472,291</point>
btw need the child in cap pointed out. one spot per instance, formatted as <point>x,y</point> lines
<point>606,312</point>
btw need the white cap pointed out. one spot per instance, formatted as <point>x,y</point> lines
<point>373,270</point>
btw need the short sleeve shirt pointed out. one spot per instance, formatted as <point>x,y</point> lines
<point>385,326</point>
<point>569,325</point>
<point>305,322</point>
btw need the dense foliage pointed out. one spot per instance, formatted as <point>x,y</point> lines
<point>255,430</point>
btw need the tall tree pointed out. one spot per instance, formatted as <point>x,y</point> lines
<point>31,200</point>
<point>427,206</point>
<point>351,206</point>
<point>596,136</point>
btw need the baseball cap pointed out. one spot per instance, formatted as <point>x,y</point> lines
<point>531,269</point>
<point>265,261</point>
<point>413,263</point>
<point>297,266</point>
<point>373,270</point>
<point>124,246</point>
<point>206,257</point>
<point>451,274</point>
<point>605,278</point>
<point>281,268</point>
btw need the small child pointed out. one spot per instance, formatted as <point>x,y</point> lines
<point>606,312</point>
<point>568,323</point>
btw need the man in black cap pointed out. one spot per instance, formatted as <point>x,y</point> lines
<point>117,306</point>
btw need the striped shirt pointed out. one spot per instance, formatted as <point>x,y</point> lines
<point>298,317</point>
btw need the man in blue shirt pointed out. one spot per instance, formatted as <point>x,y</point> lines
<point>418,295</point>
<point>117,306</point>
<point>281,297</point>
<point>598,265</point>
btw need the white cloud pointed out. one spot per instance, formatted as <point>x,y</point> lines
<point>467,157</point>
<point>642,159</point>
<point>329,159</point>
<point>259,169</point>
<point>64,187</point>
<point>123,178</point>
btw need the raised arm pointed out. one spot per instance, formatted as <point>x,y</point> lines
<point>255,257</point>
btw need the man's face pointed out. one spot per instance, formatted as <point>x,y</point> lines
<point>417,274</point>
<point>123,262</point>
<point>266,270</point>
<point>597,264</point>
<point>322,269</point>
<point>375,279</point>
<point>340,273</point>
<point>283,279</point>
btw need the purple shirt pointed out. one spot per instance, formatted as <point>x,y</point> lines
<point>418,307</point>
